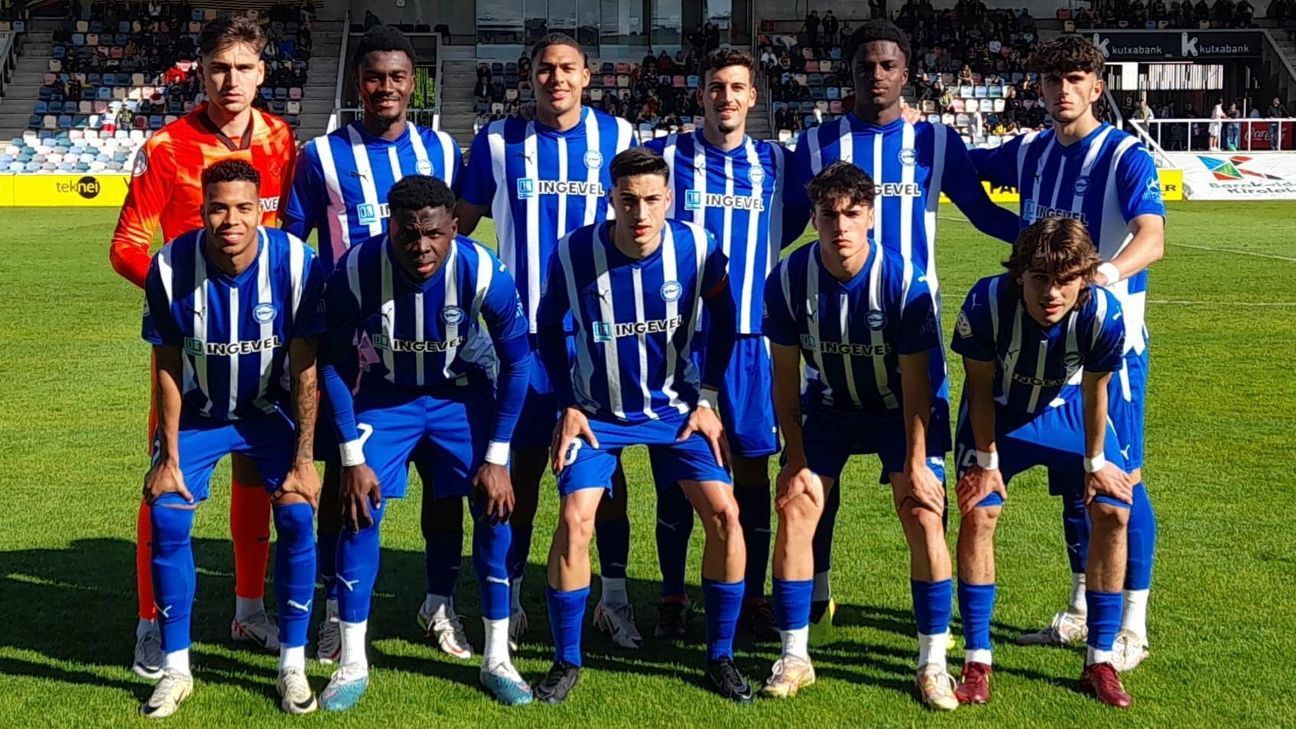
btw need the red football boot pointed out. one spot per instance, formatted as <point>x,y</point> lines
<point>974,686</point>
<point>1101,681</point>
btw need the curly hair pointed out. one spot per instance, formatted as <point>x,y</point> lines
<point>874,31</point>
<point>231,170</point>
<point>1066,54</point>
<point>1060,247</point>
<point>841,181</point>
<point>726,57</point>
<point>382,38</point>
<point>415,192</point>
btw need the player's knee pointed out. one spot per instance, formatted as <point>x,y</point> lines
<point>800,514</point>
<point>293,521</point>
<point>576,525</point>
<point>1108,515</point>
<point>287,498</point>
<point>172,525</point>
<point>981,521</point>
<point>925,519</point>
<point>724,523</point>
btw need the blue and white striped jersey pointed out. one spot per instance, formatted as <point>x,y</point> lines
<point>1036,364</point>
<point>428,333</point>
<point>234,330</point>
<point>737,196</point>
<point>634,319</point>
<point>342,181</point>
<point>541,184</point>
<point>1105,180</point>
<point>851,333</point>
<point>911,164</point>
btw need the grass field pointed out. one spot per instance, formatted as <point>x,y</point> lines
<point>1222,421</point>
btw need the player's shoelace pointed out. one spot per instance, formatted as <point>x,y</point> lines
<point>449,629</point>
<point>167,695</point>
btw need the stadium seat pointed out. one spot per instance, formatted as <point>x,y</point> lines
<point>35,120</point>
<point>39,108</point>
<point>295,93</point>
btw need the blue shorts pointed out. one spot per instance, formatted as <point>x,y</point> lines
<point>535,427</point>
<point>1053,438</point>
<point>1127,405</point>
<point>830,438</point>
<point>747,396</point>
<point>452,425</point>
<point>672,461</point>
<point>270,441</point>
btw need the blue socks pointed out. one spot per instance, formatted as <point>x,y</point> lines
<point>174,575</point>
<point>792,603</point>
<point>674,527</point>
<point>932,604</point>
<point>357,568</point>
<point>490,551</point>
<point>1103,621</point>
<point>723,603</point>
<point>294,576</point>
<point>566,614</point>
<point>1142,541</point>
<point>976,607</point>
<point>754,515</point>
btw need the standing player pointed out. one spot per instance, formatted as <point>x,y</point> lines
<point>864,320</point>
<point>165,192</point>
<point>911,164</point>
<point>634,288</point>
<point>1088,170</point>
<point>1025,337</point>
<point>417,295</point>
<point>539,180</point>
<point>340,190</point>
<point>732,185</point>
<point>233,311</point>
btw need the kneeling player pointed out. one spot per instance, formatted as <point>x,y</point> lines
<point>232,312</point>
<point>1025,336</point>
<point>865,322</point>
<point>417,294</point>
<point>633,288</point>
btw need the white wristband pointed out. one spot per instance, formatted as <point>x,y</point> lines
<point>1095,464</point>
<point>707,397</point>
<point>988,460</point>
<point>353,453</point>
<point>1109,272</point>
<point>497,453</point>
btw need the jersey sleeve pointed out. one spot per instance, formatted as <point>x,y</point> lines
<point>1137,184</point>
<point>159,326</point>
<point>966,192</point>
<point>308,318</point>
<point>973,334</point>
<point>479,178</point>
<point>150,190</point>
<point>796,200</point>
<point>918,330</point>
<point>306,199</point>
<point>1108,343</point>
<point>997,165</point>
<point>502,308</point>
<point>776,321</point>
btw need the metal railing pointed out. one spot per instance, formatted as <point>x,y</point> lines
<point>10,48</point>
<point>1241,135</point>
<point>436,87</point>
<point>341,77</point>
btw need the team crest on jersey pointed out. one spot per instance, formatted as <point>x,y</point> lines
<point>671,290</point>
<point>692,199</point>
<point>875,319</point>
<point>1073,361</point>
<point>963,326</point>
<point>593,159</point>
<point>908,156</point>
<point>141,164</point>
<point>424,167</point>
<point>1081,185</point>
<point>525,188</point>
<point>264,313</point>
<point>453,315</point>
<point>757,175</point>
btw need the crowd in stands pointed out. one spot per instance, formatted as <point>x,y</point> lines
<point>132,66</point>
<point>1160,15</point>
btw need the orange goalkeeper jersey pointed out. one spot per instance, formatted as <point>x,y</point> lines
<point>166,184</point>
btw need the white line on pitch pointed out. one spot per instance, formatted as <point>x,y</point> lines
<point>1184,302</point>
<point>1234,250</point>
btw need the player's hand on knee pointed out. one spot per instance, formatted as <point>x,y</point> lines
<point>164,477</point>
<point>1109,481</point>
<point>302,480</point>
<point>925,488</point>
<point>360,490</point>
<point>794,481</point>
<point>496,487</point>
<point>705,422</point>
<point>976,485</point>
<point>573,424</point>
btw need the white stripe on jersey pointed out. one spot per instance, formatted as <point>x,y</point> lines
<point>531,157</point>
<point>266,296</point>
<point>611,357</point>
<point>561,144</point>
<point>592,172</point>
<point>875,334</point>
<point>753,231</point>
<point>1014,348</point>
<point>940,139</point>
<point>816,321</point>
<point>200,318</point>
<point>584,357</point>
<point>670,273</point>
<point>879,205</point>
<point>1041,357</point>
<point>641,343</point>
<point>700,170</point>
<point>906,206</point>
<point>418,333</point>
<point>451,327</point>
<point>388,310</point>
<point>233,318</point>
<point>339,226</point>
<point>668,155</point>
<point>360,153</point>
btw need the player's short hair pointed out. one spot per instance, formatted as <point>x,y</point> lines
<point>416,192</point>
<point>382,38</point>
<point>726,57</point>
<point>1060,247</point>
<point>841,181</point>
<point>557,39</point>
<point>638,161</point>
<point>231,170</point>
<point>873,31</point>
<point>1066,54</point>
<point>224,32</point>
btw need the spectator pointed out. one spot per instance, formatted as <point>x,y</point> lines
<point>830,28</point>
<point>812,28</point>
<point>1217,113</point>
<point>1144,112</point>
<point>1233,130</point>
<point>1275,110</point>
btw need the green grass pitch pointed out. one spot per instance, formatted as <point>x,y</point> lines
<point>1222,415</point>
